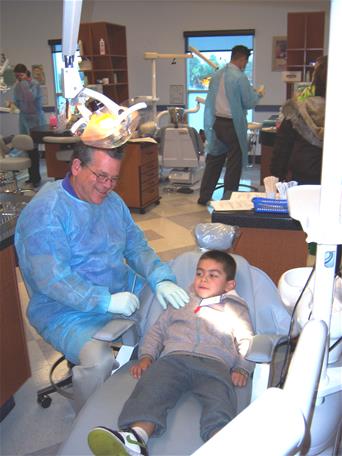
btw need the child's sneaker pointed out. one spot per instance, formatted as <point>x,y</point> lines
<point>106,442</point>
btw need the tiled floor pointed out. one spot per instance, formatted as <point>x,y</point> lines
<point>31,430</point>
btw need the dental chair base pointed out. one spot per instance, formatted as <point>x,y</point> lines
<point>186,176</point>
<point>181,148</point>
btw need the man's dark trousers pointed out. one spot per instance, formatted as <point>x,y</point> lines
<point>225,132</point>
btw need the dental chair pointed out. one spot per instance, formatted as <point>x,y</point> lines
<point>180,149</point>
<point>59,150</point>
<point>268,316</point>
<point>15,164</point>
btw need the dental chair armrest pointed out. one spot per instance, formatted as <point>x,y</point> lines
<point>117,328</point>
<point>262,347</point>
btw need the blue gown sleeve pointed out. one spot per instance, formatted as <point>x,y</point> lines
<point>249,96</point>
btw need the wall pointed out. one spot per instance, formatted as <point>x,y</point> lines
<point>27,25</point>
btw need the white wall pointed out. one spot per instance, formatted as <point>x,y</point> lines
<point>27,25</point>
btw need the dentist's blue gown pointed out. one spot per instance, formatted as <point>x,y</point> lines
<point>74,255</point>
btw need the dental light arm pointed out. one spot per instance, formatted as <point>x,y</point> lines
<point>153,56</point>
<point>72,84</point>
<point>111,125</point>
<point>203,57</point>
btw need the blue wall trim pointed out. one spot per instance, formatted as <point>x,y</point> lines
<point>267,108</point>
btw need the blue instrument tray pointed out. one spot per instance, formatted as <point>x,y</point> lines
<point>270,205</point>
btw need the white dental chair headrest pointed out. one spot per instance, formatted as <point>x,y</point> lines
<point>216,236</point>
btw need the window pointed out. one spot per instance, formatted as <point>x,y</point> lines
<point>215,46</point>
<point>57,65</point>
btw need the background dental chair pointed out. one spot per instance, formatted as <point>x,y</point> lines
<point>14,165</point>
<point>182,436</point>
<point>58,153</point>
<point>180,149</point>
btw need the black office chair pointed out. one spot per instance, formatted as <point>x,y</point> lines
<point>60,386</point>
<point>119,333</point>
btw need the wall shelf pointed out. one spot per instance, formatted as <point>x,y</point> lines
<point>305,43</point>
<point>111,65</point>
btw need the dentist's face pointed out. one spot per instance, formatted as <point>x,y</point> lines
<point>211,279</point>
<point>95,180</point>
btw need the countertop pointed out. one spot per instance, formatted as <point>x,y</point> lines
<point>10,206</point>
<point>38,133</point>
<point>251,219</point>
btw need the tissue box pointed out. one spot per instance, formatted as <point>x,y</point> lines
<point>276,206</point>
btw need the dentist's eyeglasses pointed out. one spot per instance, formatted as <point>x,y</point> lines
<point>102,178</point>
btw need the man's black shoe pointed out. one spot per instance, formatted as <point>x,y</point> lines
<point>37,184</point>
<point>202,203</point>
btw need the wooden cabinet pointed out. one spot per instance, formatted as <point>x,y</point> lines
<point>14,360</point>
<point>139,176</point>
<point>112,64</point>
<point>274,243</point>
<point>305,43</point>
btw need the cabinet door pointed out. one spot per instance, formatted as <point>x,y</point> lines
<point>296,30</point>
<point>139,175</point>
<point>14,361</point>
<point>315,30</point>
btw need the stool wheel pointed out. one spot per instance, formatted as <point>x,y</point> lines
<point>44,401</point>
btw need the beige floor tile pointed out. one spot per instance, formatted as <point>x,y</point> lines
<point>151,235</point>
<point>167,210</point>
<point>173,236</point>
<point>190,220</point>
<point>169,255</point>
<point>36,356</point>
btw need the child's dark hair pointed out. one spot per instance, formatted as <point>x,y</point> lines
<point>227,261</point>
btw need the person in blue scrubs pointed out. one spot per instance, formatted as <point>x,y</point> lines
<point>229,97</point>
<point>86,262</point>
<point>28,98</point>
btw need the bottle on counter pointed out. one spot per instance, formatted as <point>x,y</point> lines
<point>80,47</point>
<point>53,121</point>
<point>102,47</point>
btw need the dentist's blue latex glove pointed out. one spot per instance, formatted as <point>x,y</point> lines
<point>124,303</point>
<point>169,292</point>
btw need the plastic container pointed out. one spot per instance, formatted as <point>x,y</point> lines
<point>275,206</point>
<point>102,47</point>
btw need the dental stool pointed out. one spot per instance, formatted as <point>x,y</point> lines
<point>119,333</point>
<point>15,164</point>
<point>269,317</point>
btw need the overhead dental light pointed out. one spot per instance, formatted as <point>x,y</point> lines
<point>111,125</point>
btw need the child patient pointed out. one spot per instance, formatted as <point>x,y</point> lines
<point>198,348</point>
